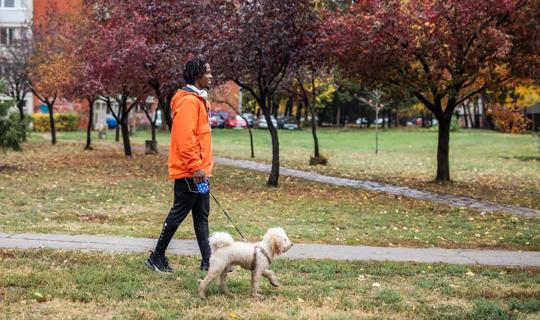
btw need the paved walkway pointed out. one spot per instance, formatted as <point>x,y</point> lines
<point>299,251</point>
<point>459,201</point>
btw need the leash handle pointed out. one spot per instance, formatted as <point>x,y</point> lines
<point>229,218</point>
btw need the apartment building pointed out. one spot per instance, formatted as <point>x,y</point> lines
<point>15,19</point>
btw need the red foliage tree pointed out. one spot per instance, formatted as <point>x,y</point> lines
<point>441,51</point>
<point>114,61</point>
<point>82,85</point>
<point>170,29</point>
<point>256,42</point>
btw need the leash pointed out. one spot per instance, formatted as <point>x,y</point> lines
<point>219,205</point>
<point>228,217</point>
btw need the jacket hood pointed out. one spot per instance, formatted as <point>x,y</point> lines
<point>183,93</point>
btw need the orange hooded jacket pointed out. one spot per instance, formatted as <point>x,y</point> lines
<point>191,144</point>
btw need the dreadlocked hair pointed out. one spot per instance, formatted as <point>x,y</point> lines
<point>194,69</point>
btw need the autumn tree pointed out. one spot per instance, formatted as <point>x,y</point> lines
<point>82,84</point>
<point>114,61</point>
<point>441,51</point>
<point>256,43</point>
<point>171,30</point>
<point>51,61</point>
<point>310,78</point>
<point>507,107</point>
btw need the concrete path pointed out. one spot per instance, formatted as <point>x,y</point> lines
<point>452,200</point>
<point>299,251</point>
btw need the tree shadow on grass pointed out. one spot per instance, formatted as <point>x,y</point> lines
<point>522,158</point>
<point>9,167</point>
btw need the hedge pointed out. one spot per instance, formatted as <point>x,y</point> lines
<point>62,121</point>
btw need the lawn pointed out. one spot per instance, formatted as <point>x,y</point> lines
<point>483,164</point>
<point>46,284</point>
<point>63,189</point>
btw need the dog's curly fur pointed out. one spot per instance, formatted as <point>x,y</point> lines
<point>226,252</point>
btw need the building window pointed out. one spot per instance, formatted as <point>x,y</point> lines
<point>7,35</point>
<point>7,3</point>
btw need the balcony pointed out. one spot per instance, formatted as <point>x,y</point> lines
<point>14,16</point>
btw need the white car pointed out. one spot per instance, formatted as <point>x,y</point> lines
<point>261,123</point>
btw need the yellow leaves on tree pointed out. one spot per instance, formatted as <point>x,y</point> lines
<point>509,116</point>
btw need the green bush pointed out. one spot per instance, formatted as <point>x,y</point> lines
<point>63,121</point>
<point>11,131</point>
<point>454,125</point>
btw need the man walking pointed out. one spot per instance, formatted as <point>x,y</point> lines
<point>190,163</point>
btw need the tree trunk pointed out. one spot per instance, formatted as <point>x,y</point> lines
<point>88,145</point>
<point>20,106</point>
<point>476,114</point>
<point>51,123</point>
<point>314,132</point>
<point>288,107</point>
<point>443,164</point>
<point>117,136</point>
<point>299,113</point>
<point>338,116</point>
<point>125,136</point>
<point>166,112</point>
<point>273,178</point>
<point>251,142</point>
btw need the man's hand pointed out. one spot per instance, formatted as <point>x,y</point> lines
<point>199,176</point>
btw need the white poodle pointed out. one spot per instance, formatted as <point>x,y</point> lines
<point>256,257</point>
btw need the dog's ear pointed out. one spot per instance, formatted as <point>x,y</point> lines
<point>276,245</point>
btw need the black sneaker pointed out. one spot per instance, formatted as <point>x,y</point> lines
<point>204,267</point>
<point>158,263</point>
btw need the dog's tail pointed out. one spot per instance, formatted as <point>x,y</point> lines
<point>220,240</point>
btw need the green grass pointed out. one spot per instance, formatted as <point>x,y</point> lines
<point>46,284</point>
<point>483,164</point>
<point>63,189</point>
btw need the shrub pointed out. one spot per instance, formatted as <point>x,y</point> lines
<point>11,131</point>
<point>62,121</point>
<point>509,118</point>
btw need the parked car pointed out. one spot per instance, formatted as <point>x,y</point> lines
<point>289,123</point>
<point>260,123</point>
<point>236,123</point>
<point>380,121</point>
<point>250,118</point>
<point>216,121</point>
<point>361,121</point>
<point>428,122</point>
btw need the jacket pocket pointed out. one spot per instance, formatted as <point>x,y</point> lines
<point>203,135</point>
